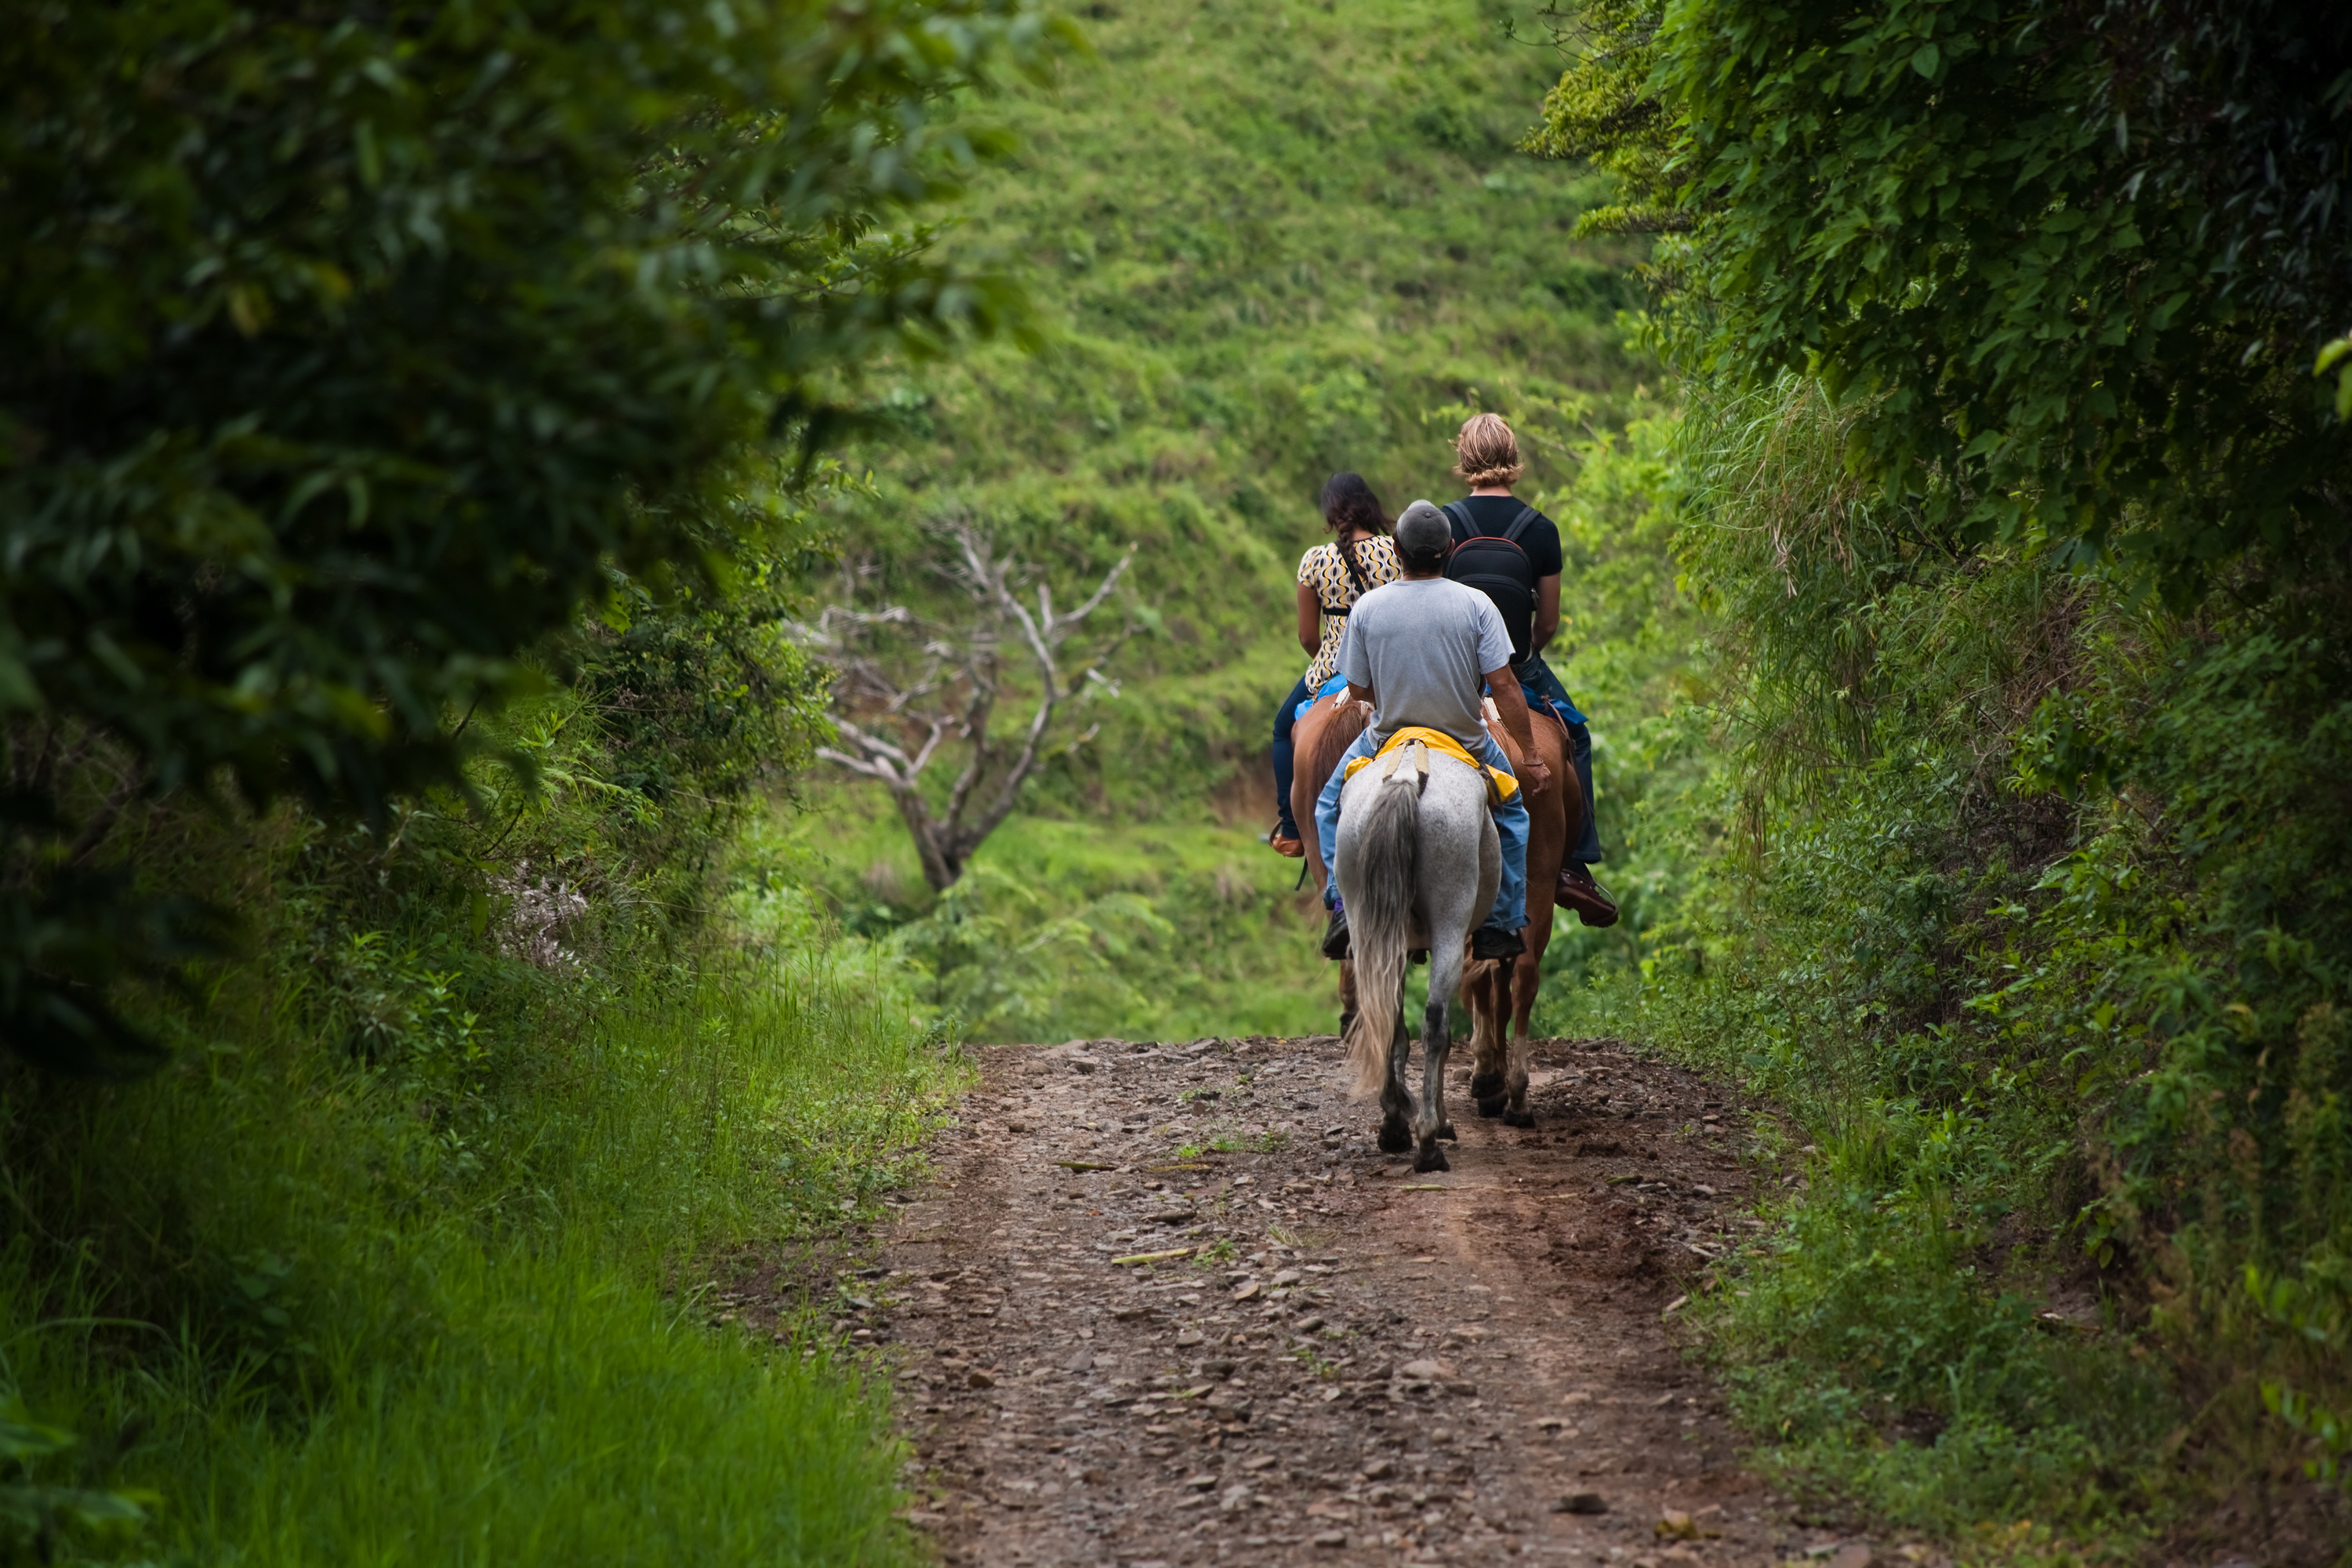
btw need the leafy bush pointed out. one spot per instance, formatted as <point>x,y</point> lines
<point>2019,519</point>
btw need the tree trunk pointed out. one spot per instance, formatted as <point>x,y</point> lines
<point>941,862</point>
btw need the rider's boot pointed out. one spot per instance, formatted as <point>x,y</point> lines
<point>1578,891</point>
<point>1335,935</point>
<point>1284,841</point>
<point>1495,942</point>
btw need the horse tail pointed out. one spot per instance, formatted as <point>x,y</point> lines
<point>1379,924</point>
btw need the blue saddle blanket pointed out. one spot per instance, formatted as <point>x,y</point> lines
<point>1337,683</point>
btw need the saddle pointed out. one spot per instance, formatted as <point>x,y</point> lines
<point>1500,786</point>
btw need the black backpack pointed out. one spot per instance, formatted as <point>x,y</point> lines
<point>1498,568</point>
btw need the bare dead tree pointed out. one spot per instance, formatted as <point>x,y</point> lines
<point>908,685</point>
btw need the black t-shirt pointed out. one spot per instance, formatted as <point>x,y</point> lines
<point>1493,514</point>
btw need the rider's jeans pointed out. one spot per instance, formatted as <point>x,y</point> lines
<point>1510,910</point>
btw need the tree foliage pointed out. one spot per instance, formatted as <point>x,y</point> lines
<point>346,355</point>
<point>2082,251</point>
<point>1603,110</point>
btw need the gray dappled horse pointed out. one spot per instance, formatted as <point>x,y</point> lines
<point>1418,865</point>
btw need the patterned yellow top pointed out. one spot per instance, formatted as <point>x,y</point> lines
<point>1321,569</point>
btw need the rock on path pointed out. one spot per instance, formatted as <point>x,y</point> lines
<point>1168,1304</point>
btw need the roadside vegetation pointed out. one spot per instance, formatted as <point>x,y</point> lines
<point>2011,516</point>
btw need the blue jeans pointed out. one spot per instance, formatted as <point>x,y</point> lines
<point>1536,679</point>
<point>1510,910</point>
<point>1284,718</point>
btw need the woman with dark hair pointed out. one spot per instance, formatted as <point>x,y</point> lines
<point>1332,577</point>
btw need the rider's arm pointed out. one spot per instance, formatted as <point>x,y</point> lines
<point>1362,694</point>
<point>1512,704</point>
<point>1310,615</point>
<point>1547,612</point>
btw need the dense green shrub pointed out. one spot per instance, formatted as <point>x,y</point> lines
<point>430,1187</point>
<point>409,420</point>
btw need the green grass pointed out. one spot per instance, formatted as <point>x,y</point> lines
<point>1061,928</point>
<point>326,1317</point>
<point>557,1415</point>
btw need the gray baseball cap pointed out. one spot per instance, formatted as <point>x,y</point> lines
<point>1422,532</point>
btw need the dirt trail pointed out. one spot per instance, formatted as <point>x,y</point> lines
<point>1351,1362</point>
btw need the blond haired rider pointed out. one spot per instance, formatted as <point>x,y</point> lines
<point>1511,551</point>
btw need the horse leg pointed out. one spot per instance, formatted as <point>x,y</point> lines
<point>1435,1044</point>
<point>1346,996</point>
<point>1396,1101</point>
<point>1490,1084</point>
<point>1445,1122</point>
<point>1495,1083</point>
<point>1487,1021</point>
<point>1445,961</point>
<point>1519,1115</point>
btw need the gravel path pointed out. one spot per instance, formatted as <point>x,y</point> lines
<point>1119,1344</point>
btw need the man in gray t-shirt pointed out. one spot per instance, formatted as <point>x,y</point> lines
<point>1422,652</point>
<point>1423,647</point>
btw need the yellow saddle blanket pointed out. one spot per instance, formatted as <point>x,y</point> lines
<point>1500,786</point>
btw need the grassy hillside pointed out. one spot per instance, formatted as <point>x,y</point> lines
<point>1270,241</point>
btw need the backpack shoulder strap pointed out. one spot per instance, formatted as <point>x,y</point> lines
<point>1460,520</point>
<point>1527,514</point>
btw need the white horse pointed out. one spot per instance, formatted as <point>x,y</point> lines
<point>1418,865</point>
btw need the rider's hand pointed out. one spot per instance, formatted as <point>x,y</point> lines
<point>1537,776</point>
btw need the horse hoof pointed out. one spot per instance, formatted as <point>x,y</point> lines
<point>1519,1118</point>
<point>1487,1086</point>
<point>1395,1139</point>
<point>1347,1022</point>
<point>1492,1104</point>
<point>1445,1129</point>
<point>1431,1159</point>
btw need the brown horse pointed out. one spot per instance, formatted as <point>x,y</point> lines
<point>1496,995</point>
<point>1499,994</point>
<point>1319,740</point>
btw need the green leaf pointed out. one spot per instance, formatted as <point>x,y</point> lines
<point>1925,58</point>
